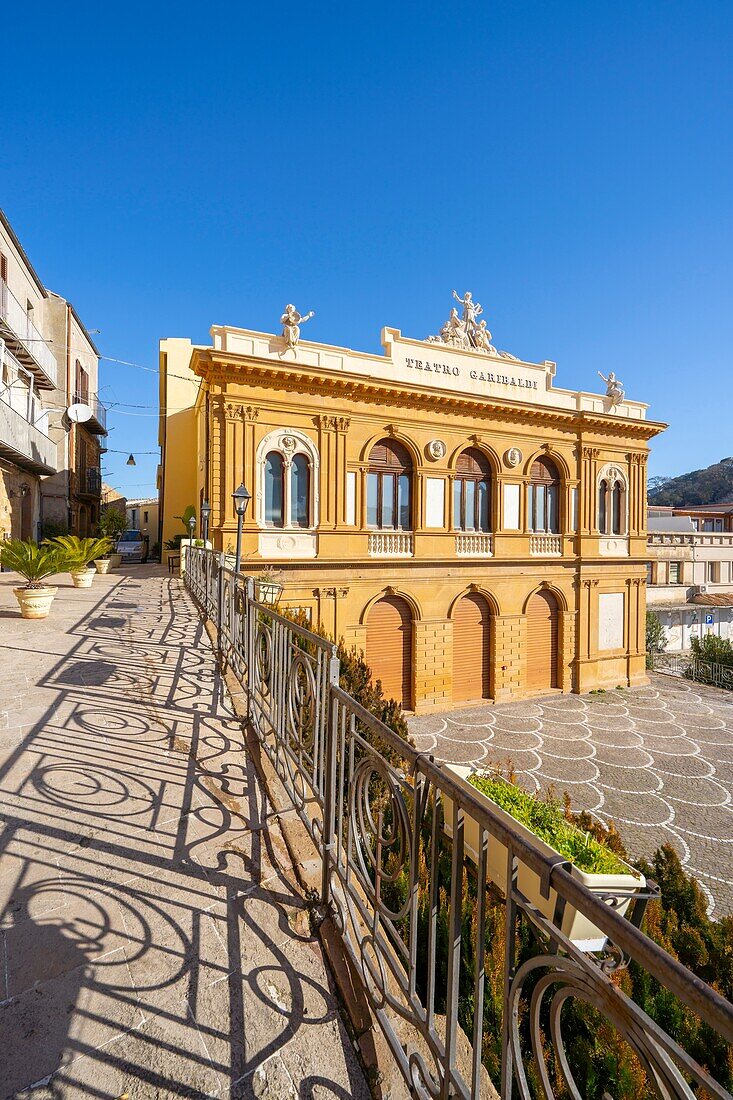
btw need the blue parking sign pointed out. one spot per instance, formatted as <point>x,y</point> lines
<point>708,620</point>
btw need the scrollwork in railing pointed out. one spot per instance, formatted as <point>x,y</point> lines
<point>424,926</point>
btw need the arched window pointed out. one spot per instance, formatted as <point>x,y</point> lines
<point>274,495</point>
<point>299,493</point>
<point>617,497</point>
<point>611,501</point>
<point>389,485</point>
<point>543,505</point>
<point>472,492</point>
<point>287,490</point>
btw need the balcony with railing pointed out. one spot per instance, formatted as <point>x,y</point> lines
<point>491,968</point>
<point>17,328</point>
<point>24,435</point>
<point>545,546</point>
<point>473,545</point>
<point>98,422</point>
<point>88,481</point>
<point>391,544</point>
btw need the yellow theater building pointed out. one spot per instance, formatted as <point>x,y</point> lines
<point>443,506</point>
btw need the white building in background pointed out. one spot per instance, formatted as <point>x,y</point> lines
<point>690,572</point>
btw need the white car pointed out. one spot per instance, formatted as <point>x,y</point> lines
<point>132,547</point>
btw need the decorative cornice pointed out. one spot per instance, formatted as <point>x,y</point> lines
<point>219,368</point>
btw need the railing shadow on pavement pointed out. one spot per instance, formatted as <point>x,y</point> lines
<point>416,922</point>
<point>140,876</point>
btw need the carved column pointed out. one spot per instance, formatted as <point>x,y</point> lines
<point>587,521</point>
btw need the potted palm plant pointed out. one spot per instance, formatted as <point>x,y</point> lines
<point>36,564</point>
<point>80,552</point>
<point>112,525</point>
<point>543,823</point>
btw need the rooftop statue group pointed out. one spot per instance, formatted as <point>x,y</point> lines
<point>466,331</point>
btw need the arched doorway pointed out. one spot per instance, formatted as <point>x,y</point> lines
<point>471,641</point>
<point>389,647</point>
<point>542,642</point>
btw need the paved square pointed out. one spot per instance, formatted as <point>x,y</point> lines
<point>658,761</point>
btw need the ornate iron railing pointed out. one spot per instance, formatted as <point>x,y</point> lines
<point>395,882</point>
<point>692,668</point>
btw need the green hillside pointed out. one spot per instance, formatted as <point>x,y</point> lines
<point>714,485</point>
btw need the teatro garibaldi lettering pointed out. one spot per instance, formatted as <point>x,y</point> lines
<point>476,376</point>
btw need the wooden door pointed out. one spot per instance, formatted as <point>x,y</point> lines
<point>389,647</point>
<point>471,640</point>
<point>542,642</point>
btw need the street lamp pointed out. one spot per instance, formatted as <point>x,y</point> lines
<point>191,528</point>
<point>205,513</point>
<point>241,500</point>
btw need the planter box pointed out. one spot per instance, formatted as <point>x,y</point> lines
<point>576,926</point>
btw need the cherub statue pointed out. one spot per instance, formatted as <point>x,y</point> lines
<point>482,339</point>
<point>614,387</point>
<point>454,331</point>
<point>291,321</point>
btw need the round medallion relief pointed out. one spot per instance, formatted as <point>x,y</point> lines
<point>513,457</point>
<point>436,449</point>
<point>286,542</point>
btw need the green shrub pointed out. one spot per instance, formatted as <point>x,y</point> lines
<point>547,820</point>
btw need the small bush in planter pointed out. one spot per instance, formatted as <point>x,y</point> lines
<point>544,825</point>
<point>547,820</point>
<point>80,552</point>
<point>36,564</point>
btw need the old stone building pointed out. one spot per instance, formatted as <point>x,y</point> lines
<point>479,532</point>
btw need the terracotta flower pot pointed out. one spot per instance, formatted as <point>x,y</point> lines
<point>35,603</point>
<point>83,578</point>
<point>103,565</point>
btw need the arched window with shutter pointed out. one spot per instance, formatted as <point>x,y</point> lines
<point>472,492</point>
<point>389,487</point>
<point>543,504</point>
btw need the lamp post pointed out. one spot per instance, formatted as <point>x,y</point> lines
<point>205,513</point>
<point>191,528</point>
<point>241,500</point>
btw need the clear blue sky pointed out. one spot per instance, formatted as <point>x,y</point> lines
<point>172,166</point>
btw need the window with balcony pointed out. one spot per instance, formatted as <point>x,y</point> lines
<point>389,487</point>
<point>472,492</point>
<point>543,502</point>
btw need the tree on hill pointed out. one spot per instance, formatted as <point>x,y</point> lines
<point>713,485</point>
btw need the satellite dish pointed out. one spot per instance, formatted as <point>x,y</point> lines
<point>78,413</point>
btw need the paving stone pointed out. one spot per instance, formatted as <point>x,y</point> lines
<point>658,760</point>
